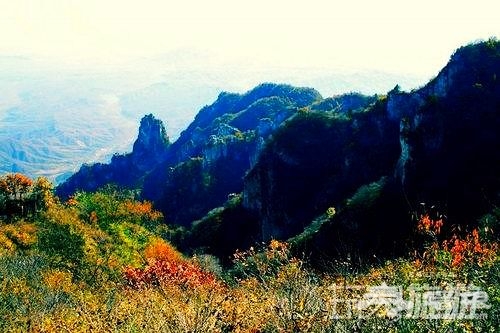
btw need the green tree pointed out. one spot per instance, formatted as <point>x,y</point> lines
<point>64,247</point>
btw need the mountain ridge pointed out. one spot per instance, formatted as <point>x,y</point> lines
<point>56,117</point>
<point>294,155</point>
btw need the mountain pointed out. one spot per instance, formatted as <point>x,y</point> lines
<point>210,158</point>
<point>345,174</point>
<point>437,146</point>
<point>337,183</point>
<point>54,117</point>
<point>54,120</point>
<point>42,131</point>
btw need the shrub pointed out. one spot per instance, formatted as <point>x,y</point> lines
<point>166,266</point>
<point>62,245</point>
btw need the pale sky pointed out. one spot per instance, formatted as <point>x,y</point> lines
<point>398,36</point>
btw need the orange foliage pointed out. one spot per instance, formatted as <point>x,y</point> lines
<point>161,251</point>
<point>461,250</point>
<point>470,248</point>
<point>17,235</point>
<point>426,225</point>
<point>275,245</point>
<point>15,184</point>
<point>72,202</point>
<point>144,208</point>
<point>165,272</point>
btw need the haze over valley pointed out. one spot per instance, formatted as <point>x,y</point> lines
<point>54,119</point>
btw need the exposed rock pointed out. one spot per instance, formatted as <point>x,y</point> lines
<point>439,144</point>
<point>314,162</point>
<point>149,150</point>
<point>450,139</point>
<point>151,144</point>
<point>226,137</point>
<point>371,160</point>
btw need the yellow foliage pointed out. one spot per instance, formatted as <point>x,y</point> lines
<point>6,244</point>
<point>274,291</point>
<point>58,280</point>
<point>20,234</point>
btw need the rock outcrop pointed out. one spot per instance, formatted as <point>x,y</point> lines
<point>151,145</point>
<point>316,161</point>
<point>150,149</point>
<point>450,138</point>
<point>209,160</point>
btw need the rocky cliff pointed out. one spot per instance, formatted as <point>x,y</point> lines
<point>450,134</point>
<point>209,160</point>
<point>315,162</point>
<point>151,145</point>
<point>438,146</point>
<point>149,150</point>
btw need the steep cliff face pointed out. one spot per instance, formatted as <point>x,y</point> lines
<point>151,145</point>
<point>420,111</point>
<point>438,145</point>
<point>225,136</point>
<point>314,162</point>
<point>209,160</point>
<point>227,139</point>
<point>450,134</point>
<point>297,157</point>
<point>150,149</point>
<point>235,112</point>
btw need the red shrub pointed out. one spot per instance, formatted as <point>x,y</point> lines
<point>166,266</point>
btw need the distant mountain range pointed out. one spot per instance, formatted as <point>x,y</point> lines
<point>344,174</point>
<point>54,118</point>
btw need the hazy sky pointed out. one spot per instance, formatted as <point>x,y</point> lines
<point>392,35</point>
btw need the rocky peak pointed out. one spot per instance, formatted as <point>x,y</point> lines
<point>152,136</point>
<point>471,65</point>
<point>150,148</point>
<point>452,125</point>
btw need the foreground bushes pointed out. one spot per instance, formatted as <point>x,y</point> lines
<point>268,291</point>
<point>81,266</point>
